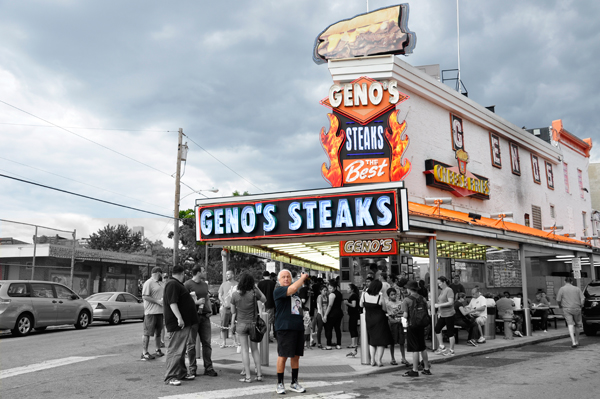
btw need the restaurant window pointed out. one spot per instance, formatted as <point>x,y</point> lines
<point>536,215</point>
<point>470,272</point>
<point>580,178</point>
<point>552,212</point>
<point>527,222</point>
<point>566,173</point>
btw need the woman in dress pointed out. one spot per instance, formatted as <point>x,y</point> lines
<point>244,309</point>
<point>378,328</point>
<point>322,303</point>
<point>333,315</point>
<point>353,315</point>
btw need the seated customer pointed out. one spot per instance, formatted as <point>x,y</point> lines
<point>540,308</point>
<point>478,308</point>
<point>505,306</point>
<point>465,320</point>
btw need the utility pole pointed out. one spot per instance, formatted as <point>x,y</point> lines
<point>177,189</point>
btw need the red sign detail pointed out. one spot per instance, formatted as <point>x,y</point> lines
<point>332,143</point>
<point>399,169</point>
<point>371,170</point>
<point>380,246</point>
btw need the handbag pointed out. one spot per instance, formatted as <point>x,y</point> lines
<point>258,327</point>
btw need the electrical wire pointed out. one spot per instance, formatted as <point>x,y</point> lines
<point>76,181</point>
<point>85,196</point>
<point>84,138</point>
<point>218,160</point>
<point>91,128</point>
<point>92,141</point>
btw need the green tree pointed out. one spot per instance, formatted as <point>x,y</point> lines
<point>118,238</point>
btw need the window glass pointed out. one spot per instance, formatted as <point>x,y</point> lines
<point>63,292</point>
<point>42,290</point>
<point>99,297</point>
<point>131,298</point>
<point>18,289</point>
<point>120,298</point>
<point>471,272</point>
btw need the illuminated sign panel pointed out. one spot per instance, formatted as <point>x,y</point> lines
<point>365,141</point>
<point>366,211</point>
<point>380,246</point>
<point>446,177</point>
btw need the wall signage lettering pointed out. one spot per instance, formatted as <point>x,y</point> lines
<point>535,167</point>
<point>495,150</point>
<point>549,175</point>
<point>379,246</point>
<point>446,177</point>
<point>366,211</point>
<point>515,162</point>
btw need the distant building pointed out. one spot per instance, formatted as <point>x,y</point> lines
<point>138,229</point>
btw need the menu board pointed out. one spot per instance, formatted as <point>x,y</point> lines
<point>504,270</point>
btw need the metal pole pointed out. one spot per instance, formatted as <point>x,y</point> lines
<point>73,257</point>
<point>224,259</point>
<point>264,344</point>
<point>177,190</point>
<point>206,258</point>
<point>433,275</point>
<point>458,43</point>
<point>365,356</point>
<point>34,250</point>
<point>525,305</point>
<point>592,267</point>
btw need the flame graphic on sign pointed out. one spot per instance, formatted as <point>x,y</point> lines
<point>331,143</point>
<point>398,169</point>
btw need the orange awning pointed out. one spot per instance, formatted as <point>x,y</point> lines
<point>434,212</point>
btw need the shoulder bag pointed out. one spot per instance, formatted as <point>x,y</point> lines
<point>259,327</point>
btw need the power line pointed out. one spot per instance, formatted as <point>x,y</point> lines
<point>218,160</point>
<point>91,141</point>
<point>85,138</point>
<point>91,128</point>
<point>85,196</point>
<point>76,181</point>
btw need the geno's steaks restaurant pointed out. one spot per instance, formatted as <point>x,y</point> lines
<point>424,181</point>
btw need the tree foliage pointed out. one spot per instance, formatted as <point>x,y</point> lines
<point>118,238</point>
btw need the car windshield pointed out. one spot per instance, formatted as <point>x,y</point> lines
<point>99,297</point>
<point>593,289</point>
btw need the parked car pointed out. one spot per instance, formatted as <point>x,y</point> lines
<point>591,308</point>
<point>26,305</point>
<point>116,306</point>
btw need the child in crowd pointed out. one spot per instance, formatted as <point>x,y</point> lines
<point>394,314</point>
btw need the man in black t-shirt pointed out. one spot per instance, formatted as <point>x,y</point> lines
<point>466,322</point>
<point>289,326</point>
<point>266,286</point>
<point>180,315</point>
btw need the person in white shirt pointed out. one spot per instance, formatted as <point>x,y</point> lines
<point>478,308</point>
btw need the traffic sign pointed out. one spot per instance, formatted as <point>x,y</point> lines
<point>576,264</point>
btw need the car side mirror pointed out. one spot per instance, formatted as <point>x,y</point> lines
<point>140,300</point>
<point>74,297</point>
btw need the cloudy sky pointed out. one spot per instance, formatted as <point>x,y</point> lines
<point>92,94</point>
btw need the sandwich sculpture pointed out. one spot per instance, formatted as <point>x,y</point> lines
<point>383,31</point>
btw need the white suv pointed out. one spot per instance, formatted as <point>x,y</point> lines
<point>27,305</point>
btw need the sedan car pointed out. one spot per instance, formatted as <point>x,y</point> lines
<point>591,308</point>
<point>26,305</point>
<point>116,306</point>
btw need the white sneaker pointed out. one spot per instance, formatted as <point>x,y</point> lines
<point>280,389</point>
<point>481,340</point>
<point>440,350</point>
<point>294,386</point>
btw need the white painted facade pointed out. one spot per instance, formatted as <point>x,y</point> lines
<point>427,113</point>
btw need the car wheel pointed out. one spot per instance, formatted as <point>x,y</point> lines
<point>23,326</point>
<point>40,328</point>
<point>83,320</point>
<point>115,317</point>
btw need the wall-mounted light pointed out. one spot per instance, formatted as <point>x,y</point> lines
<point>474,216</point>
<point>437,202</point>
<point>502,215</point>
<point>568,235</point>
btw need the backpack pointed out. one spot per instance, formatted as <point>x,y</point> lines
<point>418,316</point>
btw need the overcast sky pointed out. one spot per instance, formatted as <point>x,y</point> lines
<point>120,78</point>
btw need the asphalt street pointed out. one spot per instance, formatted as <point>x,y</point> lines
<point>103,362</point>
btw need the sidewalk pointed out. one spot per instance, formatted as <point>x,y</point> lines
<point>318,363</point>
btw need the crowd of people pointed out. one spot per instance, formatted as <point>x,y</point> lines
<point>301,309</point>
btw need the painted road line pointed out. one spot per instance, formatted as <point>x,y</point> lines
<point>46,365</point>
<point>255,390</point>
